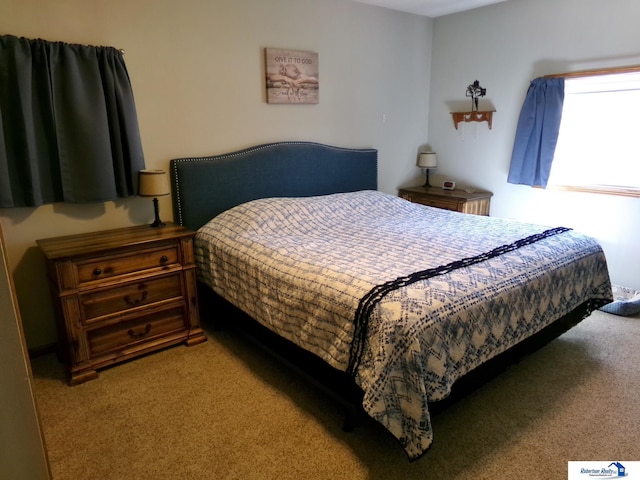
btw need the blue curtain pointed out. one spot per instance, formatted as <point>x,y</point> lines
<point>68,124</point>
<point>537,132</point>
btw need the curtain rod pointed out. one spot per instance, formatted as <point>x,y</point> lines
<point>592,73</point>
<point>121,50</point>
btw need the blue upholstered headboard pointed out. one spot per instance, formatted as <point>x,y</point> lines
<point>203,187</point>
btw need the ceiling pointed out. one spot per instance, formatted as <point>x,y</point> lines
<point>430,8</point>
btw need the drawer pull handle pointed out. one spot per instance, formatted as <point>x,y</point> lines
<point>136,302</point>
<point>97,271</point>
<point>133,334</point>
<point>164,259</point>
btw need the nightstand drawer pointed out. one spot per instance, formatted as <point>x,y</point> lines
<point>136,261</point>
<point>97,304</point>
<point>477,203</point>
<point>445,204</point>
<point>140,329</point>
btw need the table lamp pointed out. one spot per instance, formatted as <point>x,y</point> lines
<point>153,183</point>
<point>427,160</point>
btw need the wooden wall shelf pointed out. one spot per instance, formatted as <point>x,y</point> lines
<point>481,116</point>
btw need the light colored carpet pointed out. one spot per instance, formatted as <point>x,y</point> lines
<point>225,410</point>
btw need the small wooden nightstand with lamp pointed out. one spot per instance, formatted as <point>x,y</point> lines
<point>474,202</point>
<point>122,293</point>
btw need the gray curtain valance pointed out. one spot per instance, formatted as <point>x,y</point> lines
<point>68,124</point>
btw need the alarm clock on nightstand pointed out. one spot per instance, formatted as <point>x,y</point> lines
<point>448,185</point>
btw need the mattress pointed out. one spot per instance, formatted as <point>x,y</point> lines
<point>405,297</point>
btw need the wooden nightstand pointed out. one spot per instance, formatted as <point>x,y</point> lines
<point>122,293</point>
<point>477,203</point>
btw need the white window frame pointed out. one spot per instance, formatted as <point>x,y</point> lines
<point>599,122</point>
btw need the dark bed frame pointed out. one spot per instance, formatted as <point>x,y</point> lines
<point>203,187</point>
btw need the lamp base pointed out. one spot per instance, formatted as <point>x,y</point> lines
<point>426,183</point>
<point>157,222</point>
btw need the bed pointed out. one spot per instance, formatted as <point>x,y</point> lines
<point>398,302</point>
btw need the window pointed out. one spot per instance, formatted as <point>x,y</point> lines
<point>68,124</point>
<point>597,146</point>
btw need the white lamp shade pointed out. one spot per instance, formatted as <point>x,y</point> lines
<point>152,183</point>
<point>427,160</point>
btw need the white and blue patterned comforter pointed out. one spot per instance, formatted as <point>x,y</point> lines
<point>301,267</point>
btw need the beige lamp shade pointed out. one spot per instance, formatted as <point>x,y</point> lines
<point>427,160</point>
<point>152,183</point>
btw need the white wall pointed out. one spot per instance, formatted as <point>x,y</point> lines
<point>198,77</point>
<point>504,46</point>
